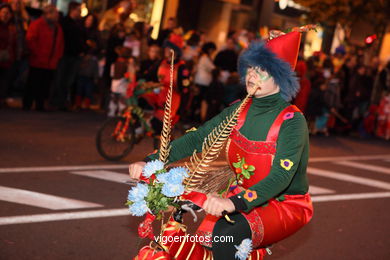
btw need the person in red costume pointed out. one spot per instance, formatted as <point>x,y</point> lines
<point>305,86</point>
<point>181,82</point>
<point>268,152</point>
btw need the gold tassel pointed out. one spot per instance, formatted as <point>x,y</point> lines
<point>165,138</point>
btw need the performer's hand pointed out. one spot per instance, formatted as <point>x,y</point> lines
<point>135,169</point>
<point>215,205</point>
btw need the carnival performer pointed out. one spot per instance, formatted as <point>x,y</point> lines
<point>181,83</point>
<point>268,151</point>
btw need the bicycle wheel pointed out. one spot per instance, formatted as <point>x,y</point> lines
<point>107,143</point>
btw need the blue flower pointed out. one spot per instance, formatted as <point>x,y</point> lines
<point>179,171</point>
<point>138,208</point>
<point>174,176</point>
<point>152,167</point>
<point>244,249</point>
<point>172,190</point>
<point>138,192</point>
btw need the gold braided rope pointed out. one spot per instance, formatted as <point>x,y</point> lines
<point>211,147</point>
<point>165,138</point>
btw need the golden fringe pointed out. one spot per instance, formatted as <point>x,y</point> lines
<point>165,138</point>
<point>211,148</point>
<point>216,180</point>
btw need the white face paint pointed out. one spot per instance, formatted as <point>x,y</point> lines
<point>257,78</point>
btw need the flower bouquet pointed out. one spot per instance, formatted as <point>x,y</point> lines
<point>158,189</point>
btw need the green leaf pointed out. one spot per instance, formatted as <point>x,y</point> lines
<point>237,165</point>
<point>242,162</point>
<point>246,174</point>
<point>251,168</point>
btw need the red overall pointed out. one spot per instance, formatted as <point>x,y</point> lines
<point>279,219</point>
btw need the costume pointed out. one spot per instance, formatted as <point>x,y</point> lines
<point>267,150</point>
<point>181,83</point>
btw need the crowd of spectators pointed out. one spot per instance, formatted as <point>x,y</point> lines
<point>73,63</point>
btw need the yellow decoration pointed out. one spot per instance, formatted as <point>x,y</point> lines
<point>286,164</point>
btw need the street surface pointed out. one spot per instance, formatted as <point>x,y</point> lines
<point>60,200</point>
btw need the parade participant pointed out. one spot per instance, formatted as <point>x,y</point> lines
<point>180,84</point>
<point>268,151</point>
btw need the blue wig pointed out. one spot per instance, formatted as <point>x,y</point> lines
<point>258,55</point>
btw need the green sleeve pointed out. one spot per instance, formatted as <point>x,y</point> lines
<point>290,145</point>
<point>193,140</point>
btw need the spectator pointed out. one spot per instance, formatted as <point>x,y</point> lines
<point>119,83</point>
<point>45,42</point>
<point>74,38</point>
<point>232,90</point>
<point>117,37</point>
<point>133,43</point>
<point>91,31</point>
<point>7,50</point>
<point>304,91</point>
<point>226,59</point>
<point>149,67</point>
<point>203,76</point>
<point>165,33</point>
<point>383,127</point>
<point>317,111</point>
<point>382,84</point>
<point>191,50</point>
<point>20,68</point>
<point>143,33</point>
<point>214,94</point>
<point>358,96</point>
<point>87,78</point>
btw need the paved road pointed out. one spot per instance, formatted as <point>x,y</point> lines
<point>60,200</point>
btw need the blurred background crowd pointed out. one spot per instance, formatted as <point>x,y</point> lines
<point>75,61</point>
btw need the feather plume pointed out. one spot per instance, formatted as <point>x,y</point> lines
<point>165,138</point>
<point>211,148</point>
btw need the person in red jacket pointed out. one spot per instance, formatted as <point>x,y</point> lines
<point>45,42</point>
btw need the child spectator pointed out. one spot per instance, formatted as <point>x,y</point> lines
<point>119,84</point>
<point>88,75</point>
<point>149,67</point>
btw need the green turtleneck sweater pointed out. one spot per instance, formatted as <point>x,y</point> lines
<point>292,145</point>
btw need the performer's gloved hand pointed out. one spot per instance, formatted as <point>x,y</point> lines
<point>215,205</point>
<point>135,169</point>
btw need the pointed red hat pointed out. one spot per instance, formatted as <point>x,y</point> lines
<point>286,47</point>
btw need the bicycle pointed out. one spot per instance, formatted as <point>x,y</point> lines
<point>117,136</point>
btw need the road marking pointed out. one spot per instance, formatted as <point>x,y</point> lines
<point>105,175</point>
<point>63,216</point>
<point>41,200</point>
<point>64,168</point>
<point>355,157</point>
<point>365,166</point>
<point>354,196</point>
<point>349,178</point>
<point>318,190</point>
<point>11,220</point>
<point>217,163</point>
<point>122,178</point>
